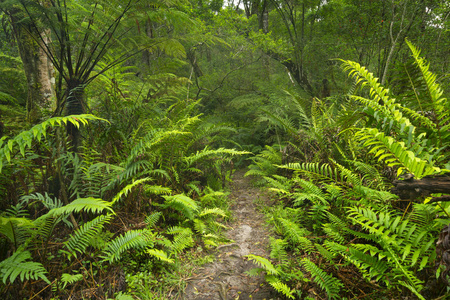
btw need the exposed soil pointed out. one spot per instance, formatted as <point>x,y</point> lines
<point>225,278</point>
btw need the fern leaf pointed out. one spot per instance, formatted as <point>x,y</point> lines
<point>24,139</point>
<point>81,238</point>
<point>263,263</point>
<point>280,287</point>
<point>325,281</point>
<point>183,204</point>
<point>17,266</point>
<point>131,239</point>
<point>82,204</point>
<point>159,254</point>
<point>70,279</point>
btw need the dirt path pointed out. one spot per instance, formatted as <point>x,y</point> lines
<point>225,279</point>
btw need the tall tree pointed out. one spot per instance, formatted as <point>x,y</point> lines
<point>82,32</point>
<point>38,68</point>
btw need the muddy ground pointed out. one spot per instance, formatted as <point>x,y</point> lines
<point>225,278</point>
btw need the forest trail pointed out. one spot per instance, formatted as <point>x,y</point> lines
<point>225,278</point>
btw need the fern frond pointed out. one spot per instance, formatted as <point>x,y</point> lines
<point>152,219</point>
<point>212,211</point>
<point>183,204</point>
<point>160,254</point>
<point>24,139</point>
<point>394,153</point>
<point>128,188</point>
<point>280,287</point>
<point>278,249</point>
<point>138,239</point>
<point>263,263</point>
<point>221,152</point>
<point>70,279</point>
<point>315,170</point>
<point>183,238</point>
<point>81,238</point>
<point>82,204</point>
<point>17,266</point>
<point>331,285</point>
<point>17,230</point>
<point>295,234</point>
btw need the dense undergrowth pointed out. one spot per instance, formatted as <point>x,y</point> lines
<point>112,219</point>
<point>339,228</point>
<point>146,189</point>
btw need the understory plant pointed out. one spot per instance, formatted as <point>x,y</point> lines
<point>337,218</point>
<point>69,228</point>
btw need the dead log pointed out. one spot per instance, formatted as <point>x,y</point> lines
<point>415,188</point>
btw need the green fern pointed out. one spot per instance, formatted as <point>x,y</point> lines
<point>153,219</point>
<point>81,238</point>
<point>159,254</point>
<point>82,204</point>
<point>24,139</point>
<point>331,285</point>
<point>17,266</point>
<point>188,207</point>
<point>264,263</point>
<point>70,279</point>
<point>17,230</point>
<point>183,238</point>
<point>394,153</point>
<point>133,239</point>
<point>280,287</point>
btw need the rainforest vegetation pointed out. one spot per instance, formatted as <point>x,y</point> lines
<point>122,123</point>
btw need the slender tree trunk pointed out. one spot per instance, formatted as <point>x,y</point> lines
<point>38,70</point>
<point>74,106</point>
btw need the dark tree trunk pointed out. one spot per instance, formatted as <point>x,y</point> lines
<point>74,106</point>
<point>413,188</point>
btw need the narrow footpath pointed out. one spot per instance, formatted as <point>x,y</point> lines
<point>225,278</point>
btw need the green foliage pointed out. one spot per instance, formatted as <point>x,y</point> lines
<point>327,282</point>
<point>24,139</point>
<point>271,276</point>
<point>81,238</point>
<point>17,266</point>
<point>133,239</point>
<point>183,204</point>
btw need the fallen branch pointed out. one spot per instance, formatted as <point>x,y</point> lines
<point>415,188</point>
